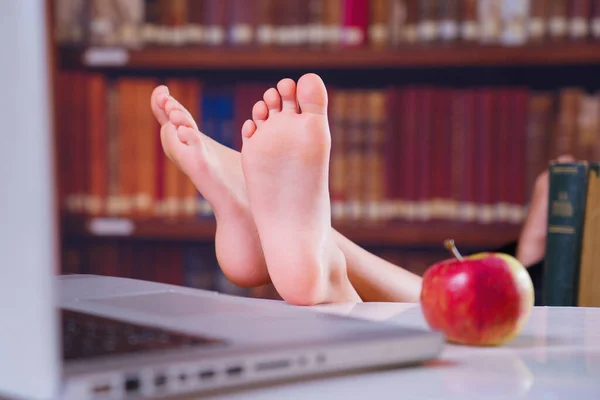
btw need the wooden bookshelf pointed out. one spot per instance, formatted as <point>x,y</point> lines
<point>436,56</point>
<point>387,234</point>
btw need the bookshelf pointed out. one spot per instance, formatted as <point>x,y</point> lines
<point>431,56</point>
<point>496,104</point>
<point>365,234</point>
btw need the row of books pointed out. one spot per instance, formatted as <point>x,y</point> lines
<point>572,267</point>
<point>398,153</point>
<point>378,23</point>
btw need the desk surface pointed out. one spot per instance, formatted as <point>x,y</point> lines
<point>556,356</point>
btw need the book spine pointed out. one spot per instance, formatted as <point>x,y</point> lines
<point>428,25</point>
<point>449,20</point>
<point>397,21</point>
<point>412,19</point>
<point>469,26</point>
<point>539,124</point>
<point>146,163</point>
<point>518,162</point>
<point>316,26</point>
<point>589,279</point>
<point>537,22</point>
<point>558,23</point>
<point>489,13</point>
<point>410,144</point>
<point>485,155</point>
<point>356,22</point>
<point>374,185</point>
<point>379,28</point>
<point>96,119</point>
<point>514,22</point>
<point>566,209</point>
<point>579,19</point>
<point>459,151</point>
<point>265,23</point>
<point>424,154</point>
<point>194,30</point>
<point>215,22</point>
<point>241,29</point>
<point>355,155</point>
<point>332,21</point>
<point>587,128</point>
<point>595,20</point>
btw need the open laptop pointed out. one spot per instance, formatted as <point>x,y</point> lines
<point>92,337</point>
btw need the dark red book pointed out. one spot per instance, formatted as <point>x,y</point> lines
<point>519,111</point>
<point>486,155</point>
<point>356,22</point>
<point>409,174</point>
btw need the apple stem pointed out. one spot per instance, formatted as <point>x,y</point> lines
<point>449,243</point>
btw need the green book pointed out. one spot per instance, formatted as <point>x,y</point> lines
<point>566,212</point>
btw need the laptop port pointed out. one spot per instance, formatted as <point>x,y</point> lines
<point>206,375</point>
<point>235,371</point>
<point>272,365</point>
<point>102,389</point>
<point>132,384</point>
<point>321,359</point>
<point>160,380</point>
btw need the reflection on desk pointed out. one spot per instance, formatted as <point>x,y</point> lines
<point>557,355</point>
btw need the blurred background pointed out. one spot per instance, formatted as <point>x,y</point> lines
<point>442,114</point>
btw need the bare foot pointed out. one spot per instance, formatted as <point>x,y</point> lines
<point>285,158</point>
<point>532,242</point>
<point>216,172</point>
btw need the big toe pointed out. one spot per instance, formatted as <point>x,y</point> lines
<point>312,94</point>
<point>159,98</point>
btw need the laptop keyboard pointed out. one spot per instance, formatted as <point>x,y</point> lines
<point>88,336</point>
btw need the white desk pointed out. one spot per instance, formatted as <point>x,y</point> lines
<point>557,356</point>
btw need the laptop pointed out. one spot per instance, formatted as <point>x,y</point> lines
<point>96,337</point>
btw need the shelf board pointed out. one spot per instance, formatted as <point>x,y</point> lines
<point>434,55</point>
<point>364,234</point>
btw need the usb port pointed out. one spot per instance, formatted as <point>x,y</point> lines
<point>102,389</point>
<point>132,384</point>
<point>206,375</point>
<point>235,371</point>
<point>160,380</point>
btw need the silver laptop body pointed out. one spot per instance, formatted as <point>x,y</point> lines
<point>93,337</point>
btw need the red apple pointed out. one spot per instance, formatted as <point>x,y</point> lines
<point>484,299</point>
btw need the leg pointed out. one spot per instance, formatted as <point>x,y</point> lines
<point>223,184</point>
<point>216,172</point>
<point>286,166</point>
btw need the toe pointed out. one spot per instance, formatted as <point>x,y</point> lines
<point>273,100</point>
<point>180,118</point>
<point>260,112</point>
<point>312,95</point>
<point>248,129</point>
<point>287,90</point>
<point>174,108</point>
<point>188,135</point>
<point>157,104</point>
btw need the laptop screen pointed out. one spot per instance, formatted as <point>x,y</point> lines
<point>29,361</point>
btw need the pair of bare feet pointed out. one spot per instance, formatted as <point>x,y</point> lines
<point>271,201</point>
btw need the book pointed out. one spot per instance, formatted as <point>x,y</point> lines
<point>566,211</point>
<point>589,270</point>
